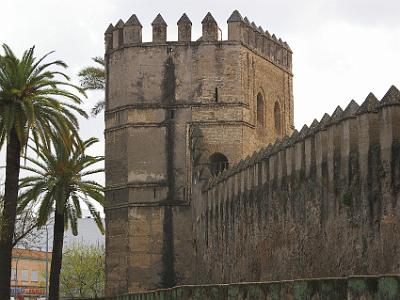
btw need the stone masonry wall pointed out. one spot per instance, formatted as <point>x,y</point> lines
<point>156,94</point>
<point>320,203</point>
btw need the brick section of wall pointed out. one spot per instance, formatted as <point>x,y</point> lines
<point>274,85</point>
<point>320,203</point>
<point>200,69</point>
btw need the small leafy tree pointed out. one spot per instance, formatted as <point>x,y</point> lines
<point>94,78</point>
<point>25,233</point>
<point>82,274</point>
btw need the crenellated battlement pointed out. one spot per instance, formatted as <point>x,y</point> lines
<point>240,30</point>
<point>340,118</point>
<point>320,202</point>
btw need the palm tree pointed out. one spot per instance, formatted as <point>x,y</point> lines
<point>94,78</point>
<point>29,106</point>
<point>58,186</point>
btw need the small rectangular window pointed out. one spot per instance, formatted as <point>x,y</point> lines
<point>34,276</point>
<point>172,114</point>
<point>13,274</point>
<point>24,275</point>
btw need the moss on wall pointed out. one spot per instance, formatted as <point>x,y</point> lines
<point>356,288</point>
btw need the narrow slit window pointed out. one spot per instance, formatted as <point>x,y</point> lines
<point>277,118</point>
<point>260,110</point>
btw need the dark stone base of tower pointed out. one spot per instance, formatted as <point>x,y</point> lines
<point>187,204</point>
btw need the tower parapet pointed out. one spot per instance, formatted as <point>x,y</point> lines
<point>239,30</point>
<point>184,29</point>
<point>235,25</point>
<point>133,31</point>
<point>117,35</point>
<point>210,28</point>
<point>159,30</point>
<point>108,38</point>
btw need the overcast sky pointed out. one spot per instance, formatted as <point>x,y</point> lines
<point>342,49</point>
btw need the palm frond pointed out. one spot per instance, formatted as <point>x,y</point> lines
<point>30,92</point>
<point>57,180</point>
<point>98,107</point>
<point>94,78</point>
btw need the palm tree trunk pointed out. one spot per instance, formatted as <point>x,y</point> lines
<point>56,257</point>
<point>7,221</point>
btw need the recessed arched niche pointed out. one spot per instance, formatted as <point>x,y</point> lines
<point>218,163</point>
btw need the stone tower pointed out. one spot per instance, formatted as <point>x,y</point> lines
<point>238,92</point>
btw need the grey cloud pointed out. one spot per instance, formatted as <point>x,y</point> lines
<point>367,12</point>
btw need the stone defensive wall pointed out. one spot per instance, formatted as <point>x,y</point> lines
<point>129,34</point>
<point>352,288</point>
<point>323,202</point>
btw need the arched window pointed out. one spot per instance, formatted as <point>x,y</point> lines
<point>218,163</point>
<point>260,110</point>
<point>277,118</point>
